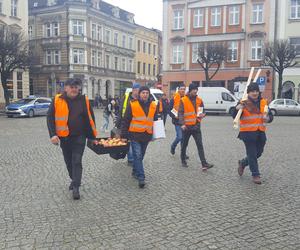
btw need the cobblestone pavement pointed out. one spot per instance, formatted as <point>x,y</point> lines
<point>180,208</point>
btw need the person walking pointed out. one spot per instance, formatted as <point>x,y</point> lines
<point>190,115</point>
<point>128,98</point>
<point>252,129</point>
<point>108,111</point>
<point>137,126</point>
<point>70,122</point>
<point>165,104</point>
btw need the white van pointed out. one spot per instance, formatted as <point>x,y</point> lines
<point>156,94</point>
<point>217,100</point>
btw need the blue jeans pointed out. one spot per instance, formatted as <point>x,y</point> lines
<point>130,154</point>
<point>178,136</point>
<point>106,121</point>
<point>139,150</point>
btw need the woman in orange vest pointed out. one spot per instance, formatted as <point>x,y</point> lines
<point>190,115</point>
<point>252,129</point>
<point>137,125</point>
<point>70,121</point>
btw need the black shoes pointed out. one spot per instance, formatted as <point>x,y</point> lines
<point>240,168</point>
<point>172,151</point>
<point>71,186</point>
<point>76,194</point>
<point>206,166</point>
<point>184,164</point>
<point>141,184</point>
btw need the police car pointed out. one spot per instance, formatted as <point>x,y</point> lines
<point>29,107</point>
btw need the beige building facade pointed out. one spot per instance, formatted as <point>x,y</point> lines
<point>14,13</point>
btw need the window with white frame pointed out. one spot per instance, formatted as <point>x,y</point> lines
<point>14,8</point>
<point>198,18</point>
<point>154,49</point>
<point>78,27</point>
<point>94,28</point>
<point>295,9</point>
<point>52,29</point>
<point>124,41</point>
<point>99,59</point>
<point>195,52</point>
<point>78,56</point>
<point>234,15</point>
<point>295,43</point>
<point>232,51</point>
<point>130,43</point>
<point>30,30</point>
<point>116,63</point>
<point>257,13</point>
<point>1,6</point>
<point>48,30</point>
<point>256,50</point>
<point>178,19</point>
<point>177,54</point>
<point>116,39</point>
<point>149,69</point>
<point>123,64</point>
<point>99,33</point>
<point>149,48</point>
<point>55,29</point>
<point>107,36</point>
<point>94,53</point>
<point>48,57</point>
<point>154,69</point>
<point>107,61</point>
<point>56,57</point>
<point>144,47</point>
<point>52,57</point>
<point>130,65</point>
<point>216,16</point>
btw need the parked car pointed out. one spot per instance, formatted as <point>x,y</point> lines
<point>284,107</point>
<point>30,107</point>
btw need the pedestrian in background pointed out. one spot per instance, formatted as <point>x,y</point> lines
<point>165,104</point>
<point>70,122</point>
<point>108,112</point>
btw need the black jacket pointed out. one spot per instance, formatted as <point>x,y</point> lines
<point>125,123</point>
<point>78,121</point>
<point>175,120</point>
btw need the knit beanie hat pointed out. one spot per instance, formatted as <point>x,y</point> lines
<point>252,87</point>
<point>143,88</point>
<point>193,86</point>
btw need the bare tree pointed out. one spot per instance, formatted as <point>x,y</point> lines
<point>13,55</point>
<point>279,56</point>
<point>210,57</point>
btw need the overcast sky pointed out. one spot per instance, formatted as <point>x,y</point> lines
<point>147,12</point>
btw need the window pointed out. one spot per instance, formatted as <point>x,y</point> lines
<point>195,52</point>
<point>144,68</point>
<point>130,43</point>
<point>78,27</point>
<point>130,65</point>
<point>78,56</point>
<point>154,70</point>
<point>279,102</point>
<point>295,43</point>
<point>56,57</point>
<point>198,18</point>
<point>234,15</point>
<point>99,33</point>
<point>107,61</point>
<point>94,57</point>
<point>149,69</point>
<point>123,64</point>
<point>99,59</point>
<point>29,30</point>
<point>154,49</point>
<point>107,36</point>
<point>144,47</point>
<point>116,63</point>
<point>291,102</point>
<point>227,97</point>
<point>216,16</point>
<point>257,13</point>
<point>139,67</point>
<point>124,41</point>
<point>116,39</point>
<point>232,51</point>
<point>178,19</point>
<point>177,54</point>
<point>149,48</point>
<point>1,6</point>
<point>49,57</point>
<point>94,27</point>
<point>256,50</point>
<point>14,7</point>
<point>295,9</point>
<point>52,57</point>
<point>55,29</point>
<point>52,29</point>
<point>48,30</point>
<point>139,46</point>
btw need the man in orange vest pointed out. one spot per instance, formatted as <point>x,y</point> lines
<point>252,129</point>
<point>137,125</point>
<point>173,112</point>
<point>70,121</point>
<point>190,115</point>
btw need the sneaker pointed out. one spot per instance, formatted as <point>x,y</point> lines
<point>172,151</point>
<point>256,180</point>
<point>76,194</point>
<point>141,184</point>
<point>241,168</point>
<point>206,166</point>
<point>184,164</point>
<point>187,157</point>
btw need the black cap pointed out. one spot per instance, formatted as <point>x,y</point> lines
<point>193,86</point>
<point>143,88</point>
<point>181,85</point>
<point>73,82</point>
<point>253,86</point>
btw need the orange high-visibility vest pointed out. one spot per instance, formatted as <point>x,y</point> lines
<point>190,114</point>
<point>253,122</point>
<point>141,123</point>
<point>62,116</point>
<point>177,99</point>
<point>160,106</point>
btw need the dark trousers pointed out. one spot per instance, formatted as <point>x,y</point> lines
<point>165,116</point>
<point>138,152</point>
<point>197,135</point>
<point>73,148</point>
<point>254,148</point>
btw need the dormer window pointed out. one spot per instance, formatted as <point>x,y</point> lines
<point>130,18</point>
<point>116,12</point>
<point>52,2</point>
